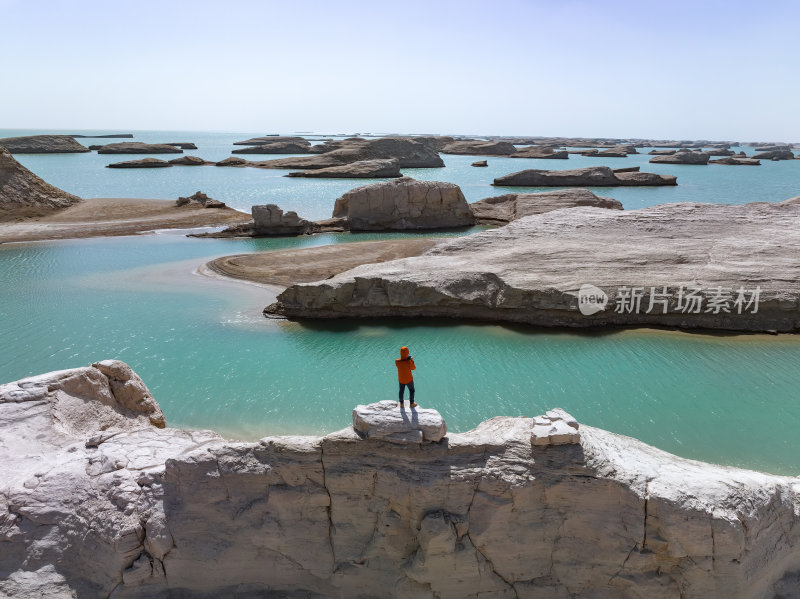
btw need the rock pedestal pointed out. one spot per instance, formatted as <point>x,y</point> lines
<point>387,421</point>
<point>269,219</point>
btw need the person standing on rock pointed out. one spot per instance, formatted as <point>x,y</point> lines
<point>404,367</point>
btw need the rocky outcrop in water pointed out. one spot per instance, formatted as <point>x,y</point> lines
<point>142,163</point>
<point>135,147</point>
<point>189,161</point>
<point>677,265</point>
<point>404,203</point>
<point>480,163</point>
<point>277,147</point>
<point>232,161</point>
<point>546,153</point>
<point>775,155</point>
<point>682,157</point>
<point>96,501</point>
<point>271,139</point>
<point>594,176</point>
<point>736,161</point>
<point>42,144</point>
<point>501,210</point>
<point>363,169</point>
<point>410,152</point>
<point>479,148</point>
<point>24,194</point>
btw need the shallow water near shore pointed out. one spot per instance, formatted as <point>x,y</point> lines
<point>212,360</point>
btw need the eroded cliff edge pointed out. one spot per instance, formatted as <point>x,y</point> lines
<point>97,501</point>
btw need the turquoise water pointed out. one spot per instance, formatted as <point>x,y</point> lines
<point>212,361</point>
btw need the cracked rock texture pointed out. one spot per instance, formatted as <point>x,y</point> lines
<point>387,421</point>
<point>532,270</point>
<point>97,502</point>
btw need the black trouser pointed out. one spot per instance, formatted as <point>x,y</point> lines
<point>410,391</point>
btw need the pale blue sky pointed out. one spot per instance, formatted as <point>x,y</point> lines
<point>677,69</point>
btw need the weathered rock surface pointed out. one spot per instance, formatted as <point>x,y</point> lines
<point>480,163</point>
<point>24,194</point>
<point>594,176</point>
<point>94,501</point>
<point>190,161</point>
<point>387,421</point>
<point>773,148</point>
<point>183,145</point>
<point>232,161</point>
<point>546,153</point>
<point>269,219</point>
<point>736,161</point>
<point>363,169</point>
<point>199,197</point>
<point>136,147</point>
<point>501,210</point>
<point>775,155</point>
<point>720,152</point>
<point>141,163</point>
<point>410,152</point>
<point>682,157</point>
<point>277,147</point>
<point>42,144</point>
<point>678,265</point>
<point>479,148</point>
<point>404,203</point>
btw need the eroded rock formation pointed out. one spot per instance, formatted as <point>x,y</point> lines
<point>136,147</point>
<point>24,194</point>
<point>594,176</point>
<point>42,144</point>
<point>363,169</point>
<point>682,157</point>
<point>404,203</point>
<point>680,265</point>
<point>96,501</point>
<point>141,163</point>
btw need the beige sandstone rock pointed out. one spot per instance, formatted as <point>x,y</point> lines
<point>404,203</point>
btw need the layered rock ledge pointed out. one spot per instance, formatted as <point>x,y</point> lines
<point>501,210</point>
<point>96,501</point>
<point>677,265</point>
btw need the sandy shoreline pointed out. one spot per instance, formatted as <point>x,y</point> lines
<point>101,217</point>
<point>282,268</point>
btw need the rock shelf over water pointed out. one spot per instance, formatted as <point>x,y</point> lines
<point>96,500</point>
<point>686,265</point>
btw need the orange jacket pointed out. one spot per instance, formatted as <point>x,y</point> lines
<point>404,366</point>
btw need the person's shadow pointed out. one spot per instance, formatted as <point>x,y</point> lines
<point>414,416</point>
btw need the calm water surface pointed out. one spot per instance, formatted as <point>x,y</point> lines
<point>212,361</point>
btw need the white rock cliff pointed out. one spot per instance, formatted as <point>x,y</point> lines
<point>96,501</point>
